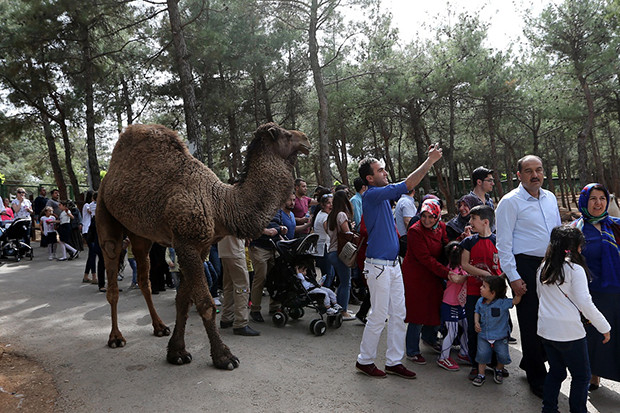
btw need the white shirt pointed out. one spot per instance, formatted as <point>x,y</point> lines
<point>85,219</point>
<point>23,208</point>
<point>524,225</point>
<point>91,208</point>
<point>323,241</point>
<point>558,318</point>
<point>64,218</point>
<point>405,207</point>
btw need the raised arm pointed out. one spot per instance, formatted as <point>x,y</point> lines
<point>415,177</point>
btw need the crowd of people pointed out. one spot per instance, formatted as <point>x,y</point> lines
<point>440,284</point>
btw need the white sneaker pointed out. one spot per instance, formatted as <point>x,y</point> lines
<point>348,316</point>
<point>217,301</point>
<point>332,311</point>
<point>337,307</point>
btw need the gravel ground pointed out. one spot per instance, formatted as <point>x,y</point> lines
<point>61,326</point>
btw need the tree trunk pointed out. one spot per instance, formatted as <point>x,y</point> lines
<point>127,100</point>
<point>265,96</point>
<point>492,135</point>
<point>582,148</point>
<point>325,169</point>
<point>208,142</point>
<point>235,145</point>
<point>89,96</point>
<point>416,128</point>
<point>185,75</point>
<point>51,148</point>
<point>68,157</point>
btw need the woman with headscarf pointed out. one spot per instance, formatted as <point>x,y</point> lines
<point>602,254</point>
<point>456,227</point>
<point>423,277</point>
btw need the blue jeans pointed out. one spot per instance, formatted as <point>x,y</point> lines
<point>326,269</point>
<point>429,335</point>
<point>485,351</point>
<point>134,270</point>
<point>344,277</point>
<point>574,356</point>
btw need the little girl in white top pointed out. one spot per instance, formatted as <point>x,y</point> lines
<point>48,227</point>
<point>562,287</point>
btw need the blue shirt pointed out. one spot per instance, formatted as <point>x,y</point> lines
<point>356,201</point>
<point>593,253</point>
<point>524,225</point>
<point>382,238</point>
<point>405,207</point>
<point>494,318</point>
<point>288,220</point>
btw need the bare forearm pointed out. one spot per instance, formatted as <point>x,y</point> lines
<point>416,176</point>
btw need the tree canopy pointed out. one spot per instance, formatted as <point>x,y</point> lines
<point>74,74</point>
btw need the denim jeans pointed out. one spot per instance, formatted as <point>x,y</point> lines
<point>326,269</point>
<point>134,270</point>
<point>485,351</point>
<point>429,335</point>
<point>574,356</point>
<point>344,277</point>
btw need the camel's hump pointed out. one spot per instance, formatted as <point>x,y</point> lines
<point>149,139</point>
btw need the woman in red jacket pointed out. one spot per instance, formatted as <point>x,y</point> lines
<point>423,277</point>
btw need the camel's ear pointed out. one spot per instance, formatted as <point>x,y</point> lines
<point>274,132</point>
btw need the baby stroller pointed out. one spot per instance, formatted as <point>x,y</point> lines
<point>11,244</point>
<point>284,287</point>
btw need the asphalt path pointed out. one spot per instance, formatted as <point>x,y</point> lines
<point>48,313</point>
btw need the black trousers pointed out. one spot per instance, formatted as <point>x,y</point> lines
<point>533,361</point>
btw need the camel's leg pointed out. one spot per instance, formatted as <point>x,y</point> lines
<point>140,248</point>
<point>110,233</point>
<point>193,287</point>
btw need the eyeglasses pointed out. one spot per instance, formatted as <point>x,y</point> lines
<point>21,192</point>
<point>327,196</point>
<point>489,180</point>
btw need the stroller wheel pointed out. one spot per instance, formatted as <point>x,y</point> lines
<point>318,327</point>
<point>335,321</point>
<point>296,313</point>
<point>279,319</point>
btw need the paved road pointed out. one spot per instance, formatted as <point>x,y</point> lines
<point>64,324</point>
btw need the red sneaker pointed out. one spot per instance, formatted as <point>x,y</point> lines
<point>417,359</point>
<point>370,370</point>
<point>448,364</point>
<point>400,370</point>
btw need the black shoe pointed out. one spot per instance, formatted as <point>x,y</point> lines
<point>537,390</point>
<point>246,331</point>
<point>155,292</point>
<point>257,316</point>
<point>512,340</point>
<point>225,324</point>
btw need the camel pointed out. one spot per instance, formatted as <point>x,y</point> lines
<point>156,191</point>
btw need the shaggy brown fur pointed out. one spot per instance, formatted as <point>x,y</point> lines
<point>155,191</point>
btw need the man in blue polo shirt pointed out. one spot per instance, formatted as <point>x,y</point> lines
<point>382,269</point>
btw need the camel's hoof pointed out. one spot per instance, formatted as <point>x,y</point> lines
<point>230,363</point>
<point>165,331</point>
<point>116,342</point>
<point>179,358</point>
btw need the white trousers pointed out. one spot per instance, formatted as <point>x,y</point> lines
<point>387,300</point>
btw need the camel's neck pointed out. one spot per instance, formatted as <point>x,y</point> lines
<point>257,198</point>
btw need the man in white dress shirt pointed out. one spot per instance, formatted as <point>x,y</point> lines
<point>525,217</point>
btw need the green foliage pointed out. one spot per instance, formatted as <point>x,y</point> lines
<point>250,64</point>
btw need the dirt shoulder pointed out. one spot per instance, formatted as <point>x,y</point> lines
<point>24,383</point>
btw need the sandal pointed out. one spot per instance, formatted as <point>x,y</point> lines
<point>85,280</point>
<point>102,290</point>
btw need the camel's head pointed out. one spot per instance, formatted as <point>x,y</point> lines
<point>286,143</point>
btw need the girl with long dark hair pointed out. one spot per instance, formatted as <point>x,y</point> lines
<point>338,222</point>
<point>562,287</point>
